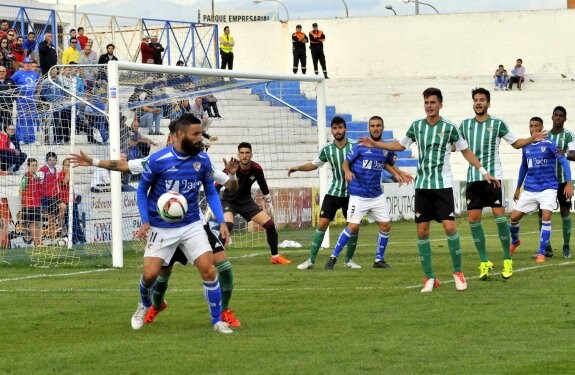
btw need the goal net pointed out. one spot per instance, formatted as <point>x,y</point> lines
<point>122,110</point>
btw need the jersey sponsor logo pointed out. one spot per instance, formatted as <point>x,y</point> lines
<point>197,166</point>
<point>536,162</point>
<point>172,185</point>
<point>372,164</point>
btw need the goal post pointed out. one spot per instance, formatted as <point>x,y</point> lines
<point>217,82</point>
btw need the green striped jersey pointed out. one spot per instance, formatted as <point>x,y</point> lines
<point>484,139</point>
<point>335,156</point>
<point>434,149</point>
<point>565,141</point>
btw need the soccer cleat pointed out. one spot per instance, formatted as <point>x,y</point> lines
<point>566,252</point>
<point>229,318</point>
<point>222,327</point>
<point>351,264</point>
<point>514,246</point>
<point>460,283</point>
<point>330,263</point>
<point>540,258</point>
<point>484,269</point>
<point>381,264</point>
<point>305,265</point>
<point>430,284</point>
<point>507,269</point>
<point>279,259</point>
<point>549,253</point>
<point>152,312</point>
<point>139,315</point>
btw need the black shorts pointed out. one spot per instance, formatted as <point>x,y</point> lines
<point>434,204</point>
<point>331,204</point>
<point>50,205</point>
<point>30,214</point>
<point>247,210</point>
<point>563,202</point>
<point>215,244</point>
<point>480,194</point>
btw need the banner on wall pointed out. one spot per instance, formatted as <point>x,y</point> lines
<point>236,15</point>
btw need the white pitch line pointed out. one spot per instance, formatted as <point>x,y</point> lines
<point>54,275</point>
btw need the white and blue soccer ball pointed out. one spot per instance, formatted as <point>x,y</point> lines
<point>172,207</point>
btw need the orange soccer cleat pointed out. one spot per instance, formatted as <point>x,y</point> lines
<point>152,312</point>
<point>279,259</point>
<point>228,317</point>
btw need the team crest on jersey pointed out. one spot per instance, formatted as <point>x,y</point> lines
<point>197,166</point>
<point>490,128</point>
<point>543,148</point>
<point>252,177</point>
<point>440,134</point>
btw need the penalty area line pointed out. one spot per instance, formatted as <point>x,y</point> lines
<point>44,275</point>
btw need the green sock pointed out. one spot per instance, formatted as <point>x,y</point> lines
<point>351,245</point>
<point>226,277</point>
<point>566,230</point>
<point>159,290</point>
<point>479,240</point>
<point>424,249</point>
<point>454,245</point>
<point>316,244</point>
<point>503,229</point>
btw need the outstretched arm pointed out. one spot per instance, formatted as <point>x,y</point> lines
<point>231,167</point>
<point>84,160</point>
<point>535,137</point>
<point>390,146</point>
<point>307,167</point>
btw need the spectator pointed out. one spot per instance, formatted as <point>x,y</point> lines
<point>133,152</point>
<point>142,142</point>
<point>73,35</point>
<point>146,50</point>
<point>299,40</point>
<point>101,181</point>
<point>7,56</point>
<point>49,194</point>
<point>158,49</point>
<point>4,26</point>
<point>71,82</point>
<point>14,142</point>
<point>227,49</point>
<point>7,94</point>
<point>63,182</point>
<point>109,55</point>
<point>517,75</point>
<point>82,39</point>
<point>198,110</point>
<point>52,95</point>
<point>501,78</point>
<point>10,158</point>
<point>71,54</point>
<point>26,80</point>
<point>30,44</point>
<point>209,103</point>
<point>89,57</point>
<point>48,53</point>
<point>316,39</point>
<point>180,107</point>
<point>30,199</point>
<point>18,52</point>
<point>96,122</point>
<point>151,114</point>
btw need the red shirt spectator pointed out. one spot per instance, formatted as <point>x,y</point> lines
<point>146,51</point>
<point>18,50</point>
<point>50,182</point>
<point>30,188</point>
<point>64,181</point>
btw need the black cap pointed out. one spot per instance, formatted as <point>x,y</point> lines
<point>314,24</point>
<point>298,27</point>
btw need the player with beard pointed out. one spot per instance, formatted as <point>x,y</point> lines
<point>241,202</point>
<point>337,196</point>
<point>183,168</point>
<point>483,133</point>
<point>362,167</point>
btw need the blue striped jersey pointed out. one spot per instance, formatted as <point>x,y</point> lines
<point>540,160</point>
<point>366,164</point>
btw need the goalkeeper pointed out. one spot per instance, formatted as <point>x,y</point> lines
<point>241,201</point>
<point>223,265</point>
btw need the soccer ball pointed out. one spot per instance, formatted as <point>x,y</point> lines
<point>62,242</point>
<point>172,207</point>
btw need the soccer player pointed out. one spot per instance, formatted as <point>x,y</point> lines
<point>241,202</point>
<point>483,133</point>
<point>434,136</point>
<point>221,262</point>
<point>184,168</point>
<point>566,144</point>
<point>538,175</point>
<point>337,196</point>
<point>362,167</point>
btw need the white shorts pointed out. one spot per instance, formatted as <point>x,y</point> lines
<point>375,209</point>
<point>163,242</point>
<point>530,201</point>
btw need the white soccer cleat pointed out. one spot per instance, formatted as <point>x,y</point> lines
<point>222,327</point>
<point>305,265</point>
<point>139,315</point>
<point>351,264</point>
<point>430,284</point>
<point>460,283</point>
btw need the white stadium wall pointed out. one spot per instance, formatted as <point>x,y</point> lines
<point>439,45</point>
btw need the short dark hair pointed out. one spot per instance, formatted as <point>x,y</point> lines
<point>180,62</point>
<point>244,145</point>
<point>31,33</point>
<point>72,30</point>
<point>520,60</point>
<point>375,118</point>
<point>430,91</point>
<point>51,154</point>
<point>536,118</point>
<point>338,120</point>
<point>560,108</point>
<point>110,45</point>
<point>80,28</point>
<point>30,161</point>
<point>186,120</point>
<point>73,39</point>
<point>481,90</point>
<point>172,126</point>
<point>226,28</point>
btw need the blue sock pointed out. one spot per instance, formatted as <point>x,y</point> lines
<point>545,236</point>
<point>514,230</point>
<point>146,293</point>
<point>214,297</point>
<point>341,242</point>
<point>382,239</point>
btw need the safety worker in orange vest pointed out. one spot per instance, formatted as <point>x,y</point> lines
<point>299,40</point>
<point>316,39</point>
